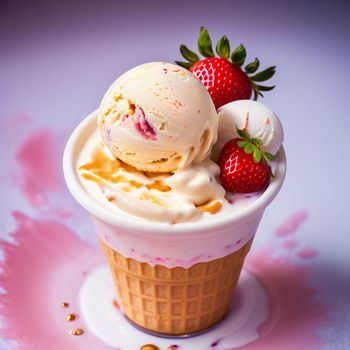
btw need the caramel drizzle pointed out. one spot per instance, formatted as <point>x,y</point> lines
<point>103,169</point>
<point>212,207</point>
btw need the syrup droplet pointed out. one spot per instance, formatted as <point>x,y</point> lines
<point>173,347</point>
<point>70,317</point>
<point>211,207</point>
<point>149,347</point>
<point>64,305</point>
<point>215,344</point>
<point>76,331</point>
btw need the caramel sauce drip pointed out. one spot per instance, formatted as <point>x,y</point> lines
<point>115,303</point>
<point>101,168</point>
<point>64,305</point>
<point>154,199</point>
<point>70,317</point>
<point>211,207</point>
<point>76,331</point>
<point>149,347</point>
<point>158,185</point>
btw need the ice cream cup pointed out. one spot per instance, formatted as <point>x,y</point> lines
<point>171,279</point>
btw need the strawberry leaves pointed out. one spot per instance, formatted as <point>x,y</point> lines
<point>260,77</point>
<point>186,65</point>
<point>252,67</point>
<point>188,54</point>
<point>268,155</point>
<point>223,47</point>
<point>204,43</point>
<point>264,88</point>
<point>252,145</point>
<point>257,141</point>
<point>238,55</point>
<point>243,134</point>
<point>257,155</point>
<point>265,74</point>
<point>242,144</point>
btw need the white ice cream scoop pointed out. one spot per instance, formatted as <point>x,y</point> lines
<point>259,120</point>
<point>158,117</point>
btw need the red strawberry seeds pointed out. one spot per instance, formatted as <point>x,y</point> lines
<point>224,80</point>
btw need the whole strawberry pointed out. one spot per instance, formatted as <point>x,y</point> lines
<point>224,79</point>
<point>244,167</point>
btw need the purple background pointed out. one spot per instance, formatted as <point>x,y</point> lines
<point>58,58</point>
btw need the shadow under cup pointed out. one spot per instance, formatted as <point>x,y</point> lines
<point>172,280</point>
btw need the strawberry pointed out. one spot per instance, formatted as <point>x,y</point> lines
<point>225,79</point>
<point>244,167</point>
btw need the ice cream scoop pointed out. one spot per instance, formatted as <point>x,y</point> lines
<point>158,117</point>
<point>259,120</point>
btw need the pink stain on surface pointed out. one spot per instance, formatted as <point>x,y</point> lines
<point>37,161</point>
<point>290,244</point>
<point>19,120</point>
<point>41,271</point>
<point>292,224</point>
<point>307,253</point>
<point>62,213</point>
<point>295,315</point>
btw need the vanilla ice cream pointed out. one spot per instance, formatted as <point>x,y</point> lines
<point>158,124</point>
<point>259,120</point>
<point>158,117</point>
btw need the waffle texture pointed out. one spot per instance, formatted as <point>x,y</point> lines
<point>175,301</point>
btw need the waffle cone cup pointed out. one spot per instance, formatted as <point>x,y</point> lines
<point>175,301</point>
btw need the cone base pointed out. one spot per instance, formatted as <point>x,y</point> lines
<point>175,301</point>
<point>175,336</point>
<point>106,321</point>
